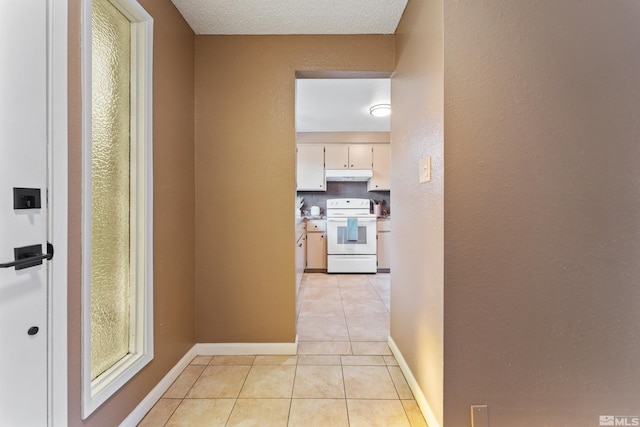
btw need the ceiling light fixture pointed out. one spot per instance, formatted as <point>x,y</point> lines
<point>380,110</point>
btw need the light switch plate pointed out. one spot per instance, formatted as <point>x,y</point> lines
<point>479,416</point>
<point>425,169</point>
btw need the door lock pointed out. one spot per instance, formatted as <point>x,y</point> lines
<point>26,198</point>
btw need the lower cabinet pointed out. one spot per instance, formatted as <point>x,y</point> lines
<point>316,245</point>
<point>300,253</point>
<point>384,245</point>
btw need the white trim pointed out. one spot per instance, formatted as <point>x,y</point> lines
<point>96,392</point>
<point>154,395</point>
<point>429,415</point>
<point>58,211</point>
<point>224,349</point>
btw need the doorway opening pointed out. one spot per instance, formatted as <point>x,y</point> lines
<point>342,152</point>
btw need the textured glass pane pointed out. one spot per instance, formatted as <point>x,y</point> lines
<point>110,269</point>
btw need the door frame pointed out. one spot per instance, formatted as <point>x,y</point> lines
<point>57,161</point>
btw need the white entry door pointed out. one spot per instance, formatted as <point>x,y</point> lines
<point>23,165</point>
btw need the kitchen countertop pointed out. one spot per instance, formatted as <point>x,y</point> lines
<point>299,219</point>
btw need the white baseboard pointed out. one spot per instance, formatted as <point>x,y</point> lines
<point>429,416</point>
<point>154,395</point>
<point>203,349</point>
<point>221,349</point>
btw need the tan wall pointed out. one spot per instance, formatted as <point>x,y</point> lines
<point>417,238</point>
<point>174,282</point>
<point>541,200</point>
<point>245,174</point>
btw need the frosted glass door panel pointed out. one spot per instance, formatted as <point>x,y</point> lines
<point>111,148</point>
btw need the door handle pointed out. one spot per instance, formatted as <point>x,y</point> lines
<point>28,256</point>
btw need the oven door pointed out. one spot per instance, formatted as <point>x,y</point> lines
<point>338,242</point>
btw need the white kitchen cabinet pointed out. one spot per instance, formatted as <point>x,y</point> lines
<point>316,244</point>
<point>310,168</point>
<point>384,244</point>
<point>381,179</point>
<point>360,156</point>
<point>336,156</point>
<point>348,156</point>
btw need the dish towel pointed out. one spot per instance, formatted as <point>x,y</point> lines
<point>352,229</point>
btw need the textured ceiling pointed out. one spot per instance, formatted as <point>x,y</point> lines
<point>292,16</point>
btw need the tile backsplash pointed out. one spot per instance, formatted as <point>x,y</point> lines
<point>344,190</point>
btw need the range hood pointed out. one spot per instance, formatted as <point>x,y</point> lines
<point>348,174</point>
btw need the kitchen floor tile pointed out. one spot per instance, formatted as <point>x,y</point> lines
<point>319,360</point>
<point>404,392</point>
<point>232,360</point>
<point>376,413</point>
<point>201,413</point>
<point>260,413</point>
<point>319,279</point>
<point>326,347</point>
<point>368,382</point>
<point>364,308</point>
<point>368,328</point>
<point>331,328</point>
<point>280,360</point>
<point>363,361</point>
<point>345,280</point>
<point>201,360</point>
<point>269,382</point>
<point>322,294</point>
<point>319,308</point>
<point>414,414</point>
<point>185,381</point>
<point>371,348</point>
<point>318,382</point>
<point>218,382</point>
<point>160,413</point>
<point>318,413</point>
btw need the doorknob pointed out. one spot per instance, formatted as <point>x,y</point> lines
<point>29,256</point>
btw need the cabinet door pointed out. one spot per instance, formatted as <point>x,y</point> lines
<point>316,251</point>
<point>300,253</point>
<point>384,253</point>
<point>336,156</point>
<point>360,156</point>
<point>310,168</point>
<point>381,179</point>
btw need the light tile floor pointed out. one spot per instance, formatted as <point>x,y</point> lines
<point>344,373</point>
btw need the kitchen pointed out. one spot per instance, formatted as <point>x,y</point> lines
<point>343,201</point>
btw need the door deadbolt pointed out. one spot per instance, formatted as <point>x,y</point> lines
<point>33,330</point>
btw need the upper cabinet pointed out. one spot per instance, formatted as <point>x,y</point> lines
<point>314,159</point>
<point>310,168</point>
<point>381,180</point>
<point>342,156</point>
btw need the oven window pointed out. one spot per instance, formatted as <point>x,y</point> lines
<point>342,236</point>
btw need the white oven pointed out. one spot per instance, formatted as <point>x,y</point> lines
<point>351,236</point>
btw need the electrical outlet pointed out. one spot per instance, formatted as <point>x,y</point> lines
<point>425,169</point>
<point>479,416</point>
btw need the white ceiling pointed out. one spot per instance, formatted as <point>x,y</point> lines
<point>341,105</point>
<point>292,17</point>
